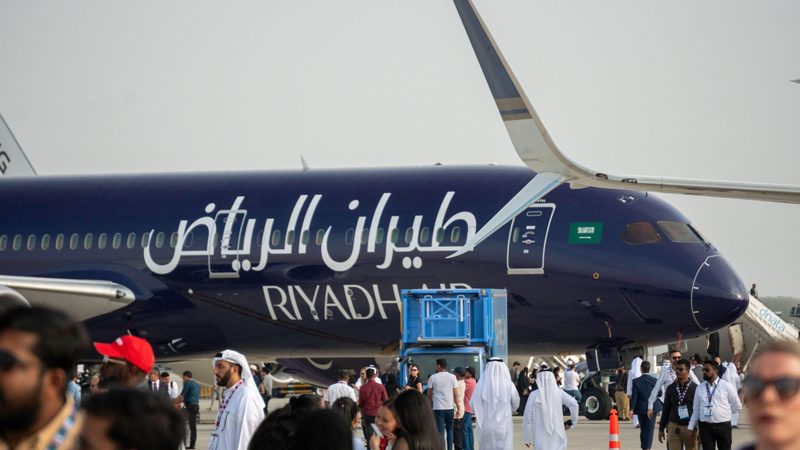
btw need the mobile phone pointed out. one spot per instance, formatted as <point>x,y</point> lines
<point>377,430</point>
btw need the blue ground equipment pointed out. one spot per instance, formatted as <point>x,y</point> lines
<point>464,326</point>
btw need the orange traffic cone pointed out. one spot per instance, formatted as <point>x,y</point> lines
<point>613,430</point>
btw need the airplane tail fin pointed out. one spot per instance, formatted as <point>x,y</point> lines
<point>13,162</point>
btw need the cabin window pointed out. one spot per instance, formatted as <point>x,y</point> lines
<point>131,240</point>
<point>276,238</point>
<point>31,242</point>
<point>290,237</point>
<point>455,234</point>
<point>3,242</point>
<point>640,233</point>
<point>173,239</point>
<point>88,240</point>
<point>304,237</point>
<point>364,236</point>
<point>45,242</point>
<point>439,235</point>
<point>379,236</point>
<point>59,241</point>
<point>145,239</point>
<point>424,235</point>
<point>348,237</point>
<point>395,235</point>
<point>102,241</point>
<point>515,235</point>
<point>320,236</point>
<point>17,244</point>
<point>116,241</point>
<point>188,240</point>
<point>73,241</point>
<point>680,232</point>
<point>160,238</point>
<point>409,234</point>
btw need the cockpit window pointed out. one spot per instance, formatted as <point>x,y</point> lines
<point>680,232</point>
<point>640,233</point>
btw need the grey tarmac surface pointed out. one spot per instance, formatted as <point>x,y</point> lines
<point>589,434</point>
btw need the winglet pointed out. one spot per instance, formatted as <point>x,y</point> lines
<point>306,167</point>
<point>13,161</point>
<point>538,151</point>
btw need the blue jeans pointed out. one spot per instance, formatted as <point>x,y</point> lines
<point>444,422</point>
<point>576,394</point>
<point>469,439</point>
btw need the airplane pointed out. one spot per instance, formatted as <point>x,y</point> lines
<point>310,263</point>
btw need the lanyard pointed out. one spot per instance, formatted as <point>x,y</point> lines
<point>710,393</point>
<point>62,432</point>
<point>682,395</point>
<point>226,401</point>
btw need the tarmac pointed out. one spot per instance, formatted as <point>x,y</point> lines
<point>588,434</point>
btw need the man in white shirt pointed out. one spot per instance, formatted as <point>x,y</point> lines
<point>666,377</point>
<point>442,390</point>
<point>572,381</point>
<point>715,401</point>
<point>458,416</point>
<point>242,409</point>
<point>172,387</point>
<point>634,373</point>
<point>340,389</point>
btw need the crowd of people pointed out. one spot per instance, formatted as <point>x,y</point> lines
<point>133,406</point>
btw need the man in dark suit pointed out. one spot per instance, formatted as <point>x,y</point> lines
<point>641,389</point>
<point>155,386</point>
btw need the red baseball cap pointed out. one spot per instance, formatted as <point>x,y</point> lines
<point>133,349</point>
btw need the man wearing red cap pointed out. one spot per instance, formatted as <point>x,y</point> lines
<point>125,361</point>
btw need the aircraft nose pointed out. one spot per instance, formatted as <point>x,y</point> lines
<point>718,296</point>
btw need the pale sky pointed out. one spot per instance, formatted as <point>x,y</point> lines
<point>680,89</point>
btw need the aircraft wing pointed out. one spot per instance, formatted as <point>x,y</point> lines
<point>539,152</point>
<point>81,299</point>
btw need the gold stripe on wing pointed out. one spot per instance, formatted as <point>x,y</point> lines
<point>505,104</point>
<point>517,116</point>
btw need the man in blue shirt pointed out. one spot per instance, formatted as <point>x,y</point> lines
<point>190,396</point>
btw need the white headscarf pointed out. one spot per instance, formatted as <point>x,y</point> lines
<point>549,402</point>
<point>494,389</point>
<point>634,373</point>
<point>232,356</point>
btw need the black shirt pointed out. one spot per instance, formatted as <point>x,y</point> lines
<point>672,400</point>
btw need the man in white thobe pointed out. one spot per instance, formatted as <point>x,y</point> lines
<point>544,417</point>
<point>494,401</point>
<point>634,373</point>
<point>242,409</point>
<point>731,375</point>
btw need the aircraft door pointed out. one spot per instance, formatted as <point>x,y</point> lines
<point>527,240</point>
<point>223,260</point>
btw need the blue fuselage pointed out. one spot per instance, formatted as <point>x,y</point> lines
<point>583,267</point>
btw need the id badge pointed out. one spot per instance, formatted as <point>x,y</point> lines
<point>683,412</point>
<point>707,411</point>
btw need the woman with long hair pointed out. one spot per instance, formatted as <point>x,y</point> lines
<point>414,379</point>
<point>388,426</point>
<point>417,429</point>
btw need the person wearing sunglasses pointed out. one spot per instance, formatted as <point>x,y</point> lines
<point>678,402</point>
<point>125,362</point>
<point>38,350</point>
<point>715,401</point>
<point>771,390</point>
<point>666,377</point>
